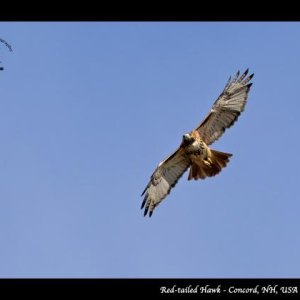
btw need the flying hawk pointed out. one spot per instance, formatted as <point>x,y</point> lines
<point>193,151</point>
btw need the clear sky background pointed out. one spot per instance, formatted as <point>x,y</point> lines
<point>88,110</point>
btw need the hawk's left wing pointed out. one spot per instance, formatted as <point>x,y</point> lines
<point>163,179</point>
<point>226,108</point>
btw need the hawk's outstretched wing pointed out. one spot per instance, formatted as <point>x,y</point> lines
<point>226,108</point>
<point>163,179</point>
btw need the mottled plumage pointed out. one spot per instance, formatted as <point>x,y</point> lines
<point>194,152</point>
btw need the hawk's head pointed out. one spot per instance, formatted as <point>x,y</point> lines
<point>187,139</point>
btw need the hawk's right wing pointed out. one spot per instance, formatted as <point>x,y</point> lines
<point>163,179</point>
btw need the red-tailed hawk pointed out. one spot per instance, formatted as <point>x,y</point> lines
<point>194,152</point>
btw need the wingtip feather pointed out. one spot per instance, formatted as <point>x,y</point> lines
<point>144,202</point>
<point>251,76</point>
<point>146,211</point>
<point>144,191</point>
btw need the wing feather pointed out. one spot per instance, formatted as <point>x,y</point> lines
<point>165,176</point>
<point>226,108</point>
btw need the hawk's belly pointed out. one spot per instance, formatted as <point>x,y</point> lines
<point>197,149</point>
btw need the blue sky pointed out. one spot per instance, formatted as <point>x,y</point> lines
<point>89,109</point>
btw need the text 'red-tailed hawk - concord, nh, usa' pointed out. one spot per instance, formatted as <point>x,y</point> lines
<point>193,151</point>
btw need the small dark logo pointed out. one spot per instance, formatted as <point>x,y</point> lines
<point>9,48</point>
